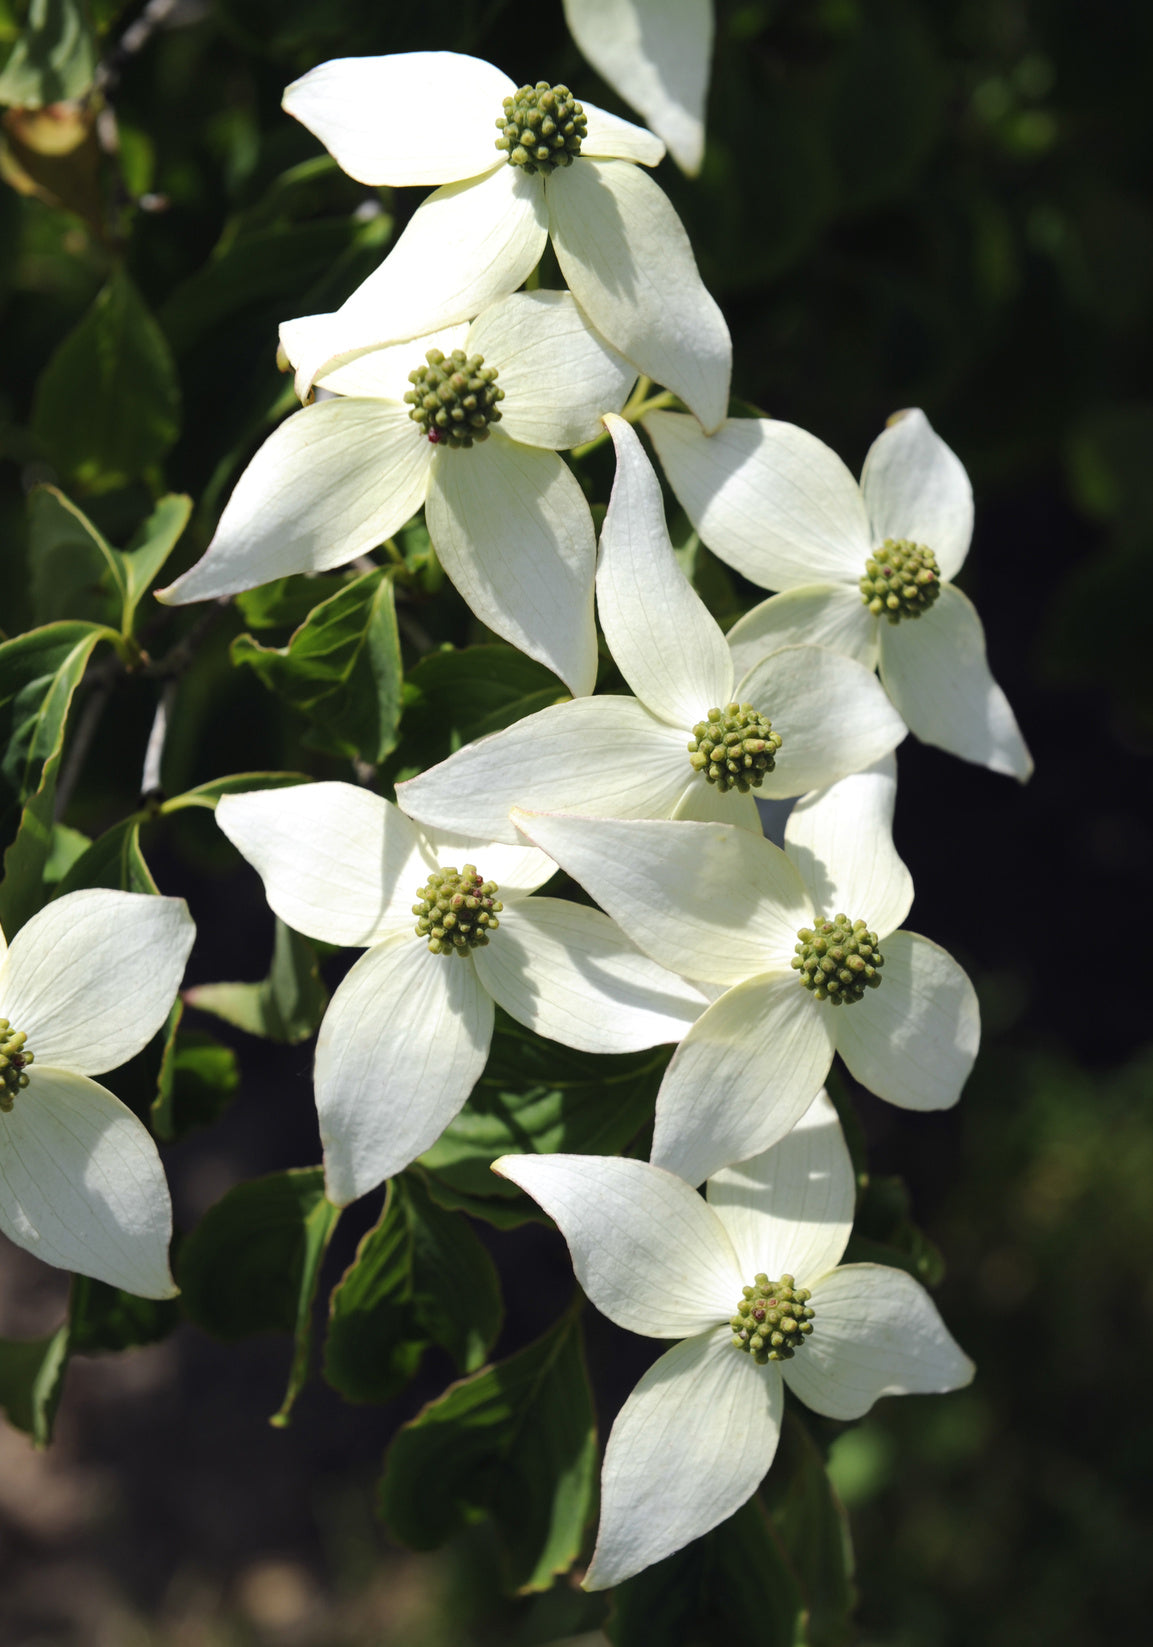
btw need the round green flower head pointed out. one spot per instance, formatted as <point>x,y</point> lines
<point>454,399</point>
<point>773,1319</point>
<point>542,127</point>
<point>902,580</point>
<point>457,911</point>
<point>14,1056</point>
<point>734,747</point>
<point>838,959</point>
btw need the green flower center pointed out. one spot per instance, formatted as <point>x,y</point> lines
<point>14,1058</point>
<point>902,580</point>
<point>734,747</point>
<point>838,959</point>
<point>773,1319</point>
<point>542,127</point>
<point>455,399</point>
<point>457,911</point>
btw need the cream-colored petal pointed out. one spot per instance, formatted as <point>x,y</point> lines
<point>916,488</point>
<point>81,1184</point>
<point>514,533</point>
<point>383,374</point>
<point>743,1076</point>
<point>338,863</point>
<point>92,977</point>
<point>876,1332</point>
<point>656,54</point>
<point>568,973</point>
<point>690,1445</point>
<point>821,614</point>
<point>558,374</point>
<point>702,802</point>
<point>331,483</point>
<point>913,1040</point>
<point>628,262</point>
<point>611,138</point>
<point>403,1043</point>
<point>840,840</point>
<point>789,1211</point>
<point>645,1247</point>
<point>767,497</point>
<point>517,868</point>
<point>935,670</point>
<point>412,117</point>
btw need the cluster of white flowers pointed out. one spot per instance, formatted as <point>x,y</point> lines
<point>449,388</point>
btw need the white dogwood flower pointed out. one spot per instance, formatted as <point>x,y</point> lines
<point>751,1284</point>
<point>656,54</point>
<point>467,423</point>
<point>84,986</point>
<point>801,951</point>
<point>406,1035</point>
<point>557,168</point>
<point>690,744</point>
<point>855,564</point>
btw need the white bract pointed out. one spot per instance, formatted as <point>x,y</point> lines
<point>728,910</point>
<point>624,757</point>
<point>431,117</point>
<point>407,1033</point>
<point>698,1433</point>
<point>84,986</point>
<point>506,516</point>
<point>656,54</point>
<point>783,509</point>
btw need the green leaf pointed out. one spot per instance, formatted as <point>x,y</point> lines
<point>199,1078</point>
<point>39,673</point>
<point>206,795</point>
<point>107,405</point>
<point>141,562</point>
<point>537,1096</point>
<point>67,846</point>
<point>31,1379</point>
<point>341,669</point>
<point>77,574</point>
<point>814,1532</point>
<point>285,603</point>
<point>420,1276</point>
<point>54,60</point>
<point>453,697</point>
<point>691,1598</point>
<point>106,1318</point>
<point>884,1232</point>
<point>287,1006</point>
<point>113,860</point>
<point>251,1264</point>
<point>515,1442</point>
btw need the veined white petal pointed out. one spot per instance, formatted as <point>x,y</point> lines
<point>656,54</point>
<point>337,862</point>
<point>666,643</point>
<point>81,1184</point>
<point>645,1247</point>
<point>789,1211</point>
<point>913,1040</point>
<point>916,488</point>
<point>513,530</point>
<point>690,1445</point>
<point>628,262</point>
<point>832,713</point>
<point>559,376</point>
<point>518,869</point>
<point>876,1332</point>
<point>710,901</point>
<point>745,1074</point>
<point>702,802</point>
<point>329,484</point>
<point>606,756</point>
<point>91,977</point>
<point>819,614</point>
<point>569,973</point>
<point>935,670</point>
<point>383,374</point>
<point>412,117</point>
<point>840,840</point>
<point>767,497</point>
<point>468,244</point>
<point>611,138</point>
<point>403,1043</point>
